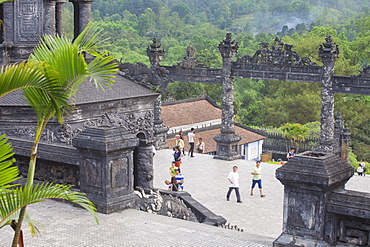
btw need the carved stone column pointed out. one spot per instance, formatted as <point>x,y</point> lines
<point>155,54</point>
<point>227,140</point>
<point>309,179</point>
<point>8,34</point>
<point>59,17</point>
<point>107,167</point>
<point>82,15</point>
<point>49,17</point>
<point>328,52</point>
<point>144,172</point>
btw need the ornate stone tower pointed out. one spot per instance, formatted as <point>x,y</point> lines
<point>328,52</point>
<point>227,140</point>
<point>25,21</point>
<point>155,54</point>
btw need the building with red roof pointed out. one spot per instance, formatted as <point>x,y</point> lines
<point>204,115</point>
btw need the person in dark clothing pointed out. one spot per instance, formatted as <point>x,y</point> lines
<point>174,186</point>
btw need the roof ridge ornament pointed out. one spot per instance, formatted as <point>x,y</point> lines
<point>278,53</point>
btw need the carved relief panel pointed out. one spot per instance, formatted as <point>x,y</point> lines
<point>303,209</point>
<point>92,170</point>
<point>28,21</point>
<point>119,173</point>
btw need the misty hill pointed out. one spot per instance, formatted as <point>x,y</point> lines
<point>249,15</point>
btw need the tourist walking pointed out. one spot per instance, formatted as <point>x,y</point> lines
<point>233,178</point>
<point>180,134</point>
<point>200,146</point>
<point>257,178</point>
<point>363,167</point>
<point>180,143</point>
<point>177,156</point>
<point>360,170</point>
<point>180,178</point>
<point>191,137</point>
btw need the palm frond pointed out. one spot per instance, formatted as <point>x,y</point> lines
<point>38,89</point>
<point>12,202</point>
<point>91,39</point>
<point>8,173</point>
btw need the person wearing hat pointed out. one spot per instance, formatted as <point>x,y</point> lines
<point>180,143</point>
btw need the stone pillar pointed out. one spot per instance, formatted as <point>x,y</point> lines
<point>308,181</point>
<point>227,140</point>
<point>106,167</point>
<point>160,130</point>
<point>59,17</point>
<point>346,139</point>
<point>155,54</point>
<point>144,172</point>
<point>49,17</point>
<point>328,52</point>
<point>338,126</point>
<point>82,15</point>
<point>8,33</point>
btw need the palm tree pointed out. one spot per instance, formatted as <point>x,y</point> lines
<point>295,133</point>
<point>49,79</point>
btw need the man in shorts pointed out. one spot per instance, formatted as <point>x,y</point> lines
<point>257,178</point>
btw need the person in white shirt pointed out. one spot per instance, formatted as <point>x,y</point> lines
<point>191,138</point>
<point>363,165</point>
<point>360,170</point>
<point>234,184</point>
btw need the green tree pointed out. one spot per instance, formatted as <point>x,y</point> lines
<point>182,9</point>
<point>295,133</point>
<point>57,67</point>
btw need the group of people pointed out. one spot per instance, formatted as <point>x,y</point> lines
<point>179,142</point>
<point>233,178</point>
<point>177,179</point>
<point>361,169</point>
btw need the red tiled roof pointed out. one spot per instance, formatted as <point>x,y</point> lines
<point>200,110</point>
<point>210,143</point>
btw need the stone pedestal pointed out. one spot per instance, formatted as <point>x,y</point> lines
<point>309,179</point>
<point>227,146</point>
<point>106,168</point>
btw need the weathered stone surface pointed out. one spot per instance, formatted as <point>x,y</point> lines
<point>107,166</point>
<point>328,52</point>
<point>227,140</point>
<point>309,180</point>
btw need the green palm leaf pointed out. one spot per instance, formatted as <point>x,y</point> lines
<point>14,200</point>
<point>8,173</point>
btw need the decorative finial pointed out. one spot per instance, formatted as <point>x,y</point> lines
<point>190,51</point>
<point>228,47</point>
<point>328,50</point>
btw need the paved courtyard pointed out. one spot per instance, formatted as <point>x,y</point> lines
<point>261,218</point>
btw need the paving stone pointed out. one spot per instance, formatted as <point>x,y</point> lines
<point>205,180</point>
